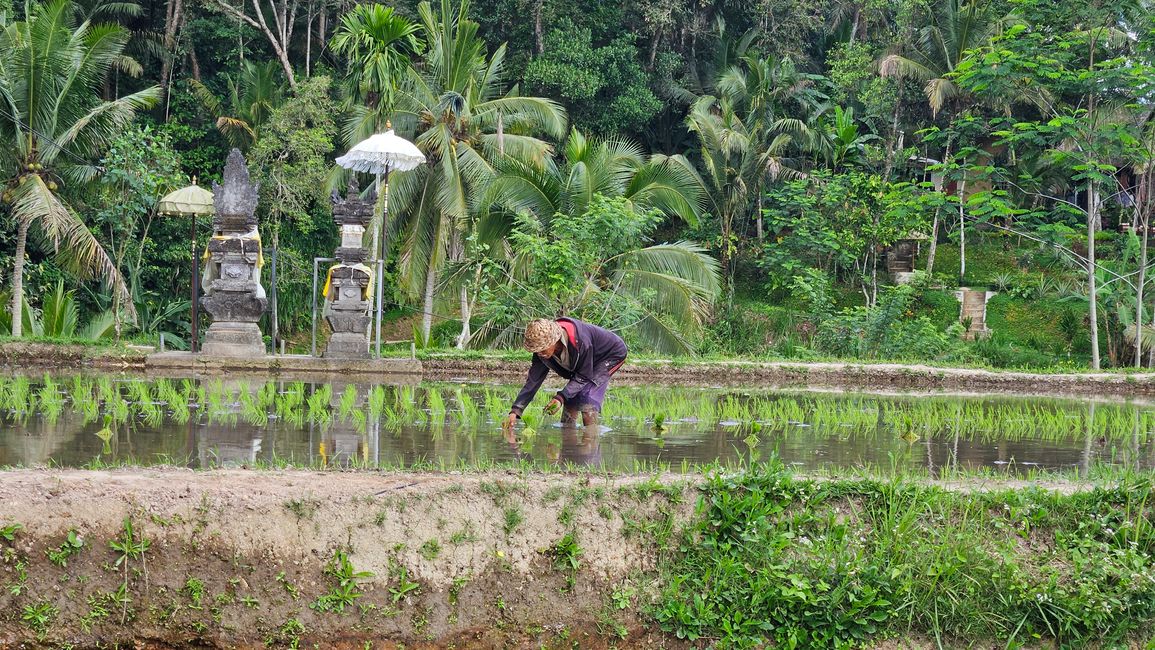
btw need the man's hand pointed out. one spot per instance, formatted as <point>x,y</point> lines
<point>508,422</point>
<point>553,407</point>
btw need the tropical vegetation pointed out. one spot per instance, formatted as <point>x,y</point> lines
<point>698,177</point>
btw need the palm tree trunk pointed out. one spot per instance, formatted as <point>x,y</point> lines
<point>18,280</point>
<point>1140,222</point>
<point>934,227</point>
<point>759,217</point>
<point>173,15</point>
<point>427,314</point>
<point>466,313</point>
<point>1092,291</point>
<point>962,232</point>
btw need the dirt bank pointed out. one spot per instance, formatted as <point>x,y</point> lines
<point>175,558</point>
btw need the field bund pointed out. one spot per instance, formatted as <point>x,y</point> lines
<point>169,558</point>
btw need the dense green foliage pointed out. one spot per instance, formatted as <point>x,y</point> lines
<point>1011,139</point>
<point>835,564</point>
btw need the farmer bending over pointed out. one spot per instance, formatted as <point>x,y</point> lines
<point>586,355</point>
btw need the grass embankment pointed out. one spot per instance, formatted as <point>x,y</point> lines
<point>500,559</point>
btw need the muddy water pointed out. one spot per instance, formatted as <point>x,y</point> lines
<point>79,421</point>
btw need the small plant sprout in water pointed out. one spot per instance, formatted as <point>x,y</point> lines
<point>106,434</point>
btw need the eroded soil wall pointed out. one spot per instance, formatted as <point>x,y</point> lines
<point>235,558</point>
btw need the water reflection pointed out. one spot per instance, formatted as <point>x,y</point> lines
<point>84,421</point>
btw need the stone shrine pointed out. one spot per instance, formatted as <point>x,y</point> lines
<point>232,283</point>
<point>348,290</point>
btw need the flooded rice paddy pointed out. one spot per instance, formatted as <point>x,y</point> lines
<point>96,421</point>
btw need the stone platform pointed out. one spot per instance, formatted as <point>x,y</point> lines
<point>287,363</point>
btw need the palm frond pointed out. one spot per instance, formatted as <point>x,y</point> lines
<point>75,247</point>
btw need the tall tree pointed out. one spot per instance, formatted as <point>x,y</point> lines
<point>276,19</point>
<point>745,140</point>
<point>53,122</point>
<point>458,102</point>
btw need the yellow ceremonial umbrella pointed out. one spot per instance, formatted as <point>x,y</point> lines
<point>192,201</point>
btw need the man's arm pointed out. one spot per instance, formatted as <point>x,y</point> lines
<point>538,371</point>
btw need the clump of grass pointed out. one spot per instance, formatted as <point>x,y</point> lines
<point>566,554</point>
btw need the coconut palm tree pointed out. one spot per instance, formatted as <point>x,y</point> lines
<point>465,120</point>
<point>955,27</point>
<point>52,123</point>
<point>745,140</point>
<point>674,285</point>
<point>610,167</point>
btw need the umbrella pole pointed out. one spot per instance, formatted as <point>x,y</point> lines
<point>380,262</point>
<point>194,283</point>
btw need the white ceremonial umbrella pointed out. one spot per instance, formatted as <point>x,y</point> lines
<point>191,201</point>
<point>380,154</point>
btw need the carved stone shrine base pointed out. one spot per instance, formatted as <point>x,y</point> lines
<point>347,345</point>
<point>233,339</point>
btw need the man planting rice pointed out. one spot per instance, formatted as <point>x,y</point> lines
<point>585,354</point>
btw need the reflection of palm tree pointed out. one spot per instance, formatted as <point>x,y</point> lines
<point>462,113</point>
<point>955,27</point>
<point>52,120</point>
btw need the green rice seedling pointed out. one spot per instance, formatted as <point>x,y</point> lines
<point>106,434</point>
<point>19,398</point>
<point>376,402</point>
<point>347,403</point>
<point>435,402</point>
<point>318,404</point>
<point>252,410</point>
<point>51,399</point>
<point>360,421</point>
<point>531,419</point>
<point>290,401</point>
<point>496,407</point>
<point>405,403</point>
<point>468,413</point>
<point>267,395</point>
<point>391,419</point>
<point>174,399</point>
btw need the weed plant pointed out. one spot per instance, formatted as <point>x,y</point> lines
<point>344,591</point>
<point>774,559</point>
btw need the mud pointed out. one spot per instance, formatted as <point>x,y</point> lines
<point>242,559</point>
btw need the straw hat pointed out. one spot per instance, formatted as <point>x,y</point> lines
<point>541,334</point>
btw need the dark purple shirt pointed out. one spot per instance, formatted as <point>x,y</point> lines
<point>594,353</point>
